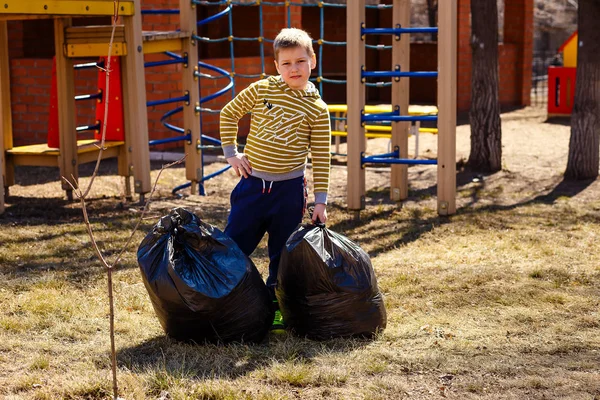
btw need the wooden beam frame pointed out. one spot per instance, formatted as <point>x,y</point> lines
<point>65,81</point>
<point>355,89</point>
<point>191,119</point>
<point>446,172</point>
<point>5,111</point>
<point>400,98</point>
<point>134,93</point>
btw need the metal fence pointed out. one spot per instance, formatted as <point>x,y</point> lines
<point>539,76</point>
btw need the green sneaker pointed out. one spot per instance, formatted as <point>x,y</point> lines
<point>278,323</point>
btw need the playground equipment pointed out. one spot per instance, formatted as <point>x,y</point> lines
<point>561,80</point>
<point>339,114</point>
<point>399,129</point>
<point>358,117</point>
<point>92,41</point>
<point>133,152</point>
<point>131,43</point>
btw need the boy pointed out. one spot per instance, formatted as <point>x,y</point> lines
<point>288,119</point>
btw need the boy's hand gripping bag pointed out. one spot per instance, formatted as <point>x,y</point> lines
<point>202,287</point>
<point>326,286</point>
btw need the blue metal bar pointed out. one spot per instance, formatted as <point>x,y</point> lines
<point>321,34</point>
<point>88,96</point>
<point>219,172</point>
<point>170,126</point>
<point>231,50</point>
<point>406,161</point>
<point>167,101</point>
<point>323,41</point>
<point>399,74</point>
<point>397,118</point>
<point>248,75</point>
<point>396,31</point>
<point>169,140</point>
<point>245,39</point>
<point>220,71</point>
<point>201,186</point>
<point>334,5</point>
<point>209,3</point>
<point>273,3</point>
<point>393,154</point>
<point>174,55</point>
<point>260,41</point>
<point>211,140</point>
<point>205,39</point>
<point>150,12</point>
<point>164,62</point>
<point>218,15</point>
<point>338,81</point>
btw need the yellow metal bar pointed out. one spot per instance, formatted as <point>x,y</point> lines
<point>66,7</point>
<point>380,131</point>
<point>383,108</point>
<point>160,46</point>
<point>368,135</point>
<point>119,48</point>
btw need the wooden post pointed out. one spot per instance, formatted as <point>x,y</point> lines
<point>65,82</point>
<point>400,90</point>
<point>134,93</point>
<point>5,111</point>
<point>446,171</point>
<point>191,119</point>
<point>355,89</point>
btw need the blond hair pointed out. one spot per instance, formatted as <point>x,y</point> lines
<point>293,37</point>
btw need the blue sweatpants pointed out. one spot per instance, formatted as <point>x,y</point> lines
<point>259,207</point>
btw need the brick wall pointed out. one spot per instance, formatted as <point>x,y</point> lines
<point>30,95</point>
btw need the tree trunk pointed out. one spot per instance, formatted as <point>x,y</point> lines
<point>486,131</point>
<point>432,9</point>
<point>585,119</point>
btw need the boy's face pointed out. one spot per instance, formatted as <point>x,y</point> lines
<point>294,65</point>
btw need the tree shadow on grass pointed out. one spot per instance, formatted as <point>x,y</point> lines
<point>163,354</point>
<point>31,175</point>
<point>414,225</point>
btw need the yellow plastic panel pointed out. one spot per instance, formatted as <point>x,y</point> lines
<point>66,7</point>
<point>94,50</point>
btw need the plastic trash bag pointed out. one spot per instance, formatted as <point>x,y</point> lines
<point>202,287</point>
<point>326,286</point>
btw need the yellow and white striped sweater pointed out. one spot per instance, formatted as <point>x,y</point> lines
<point>285,124</point>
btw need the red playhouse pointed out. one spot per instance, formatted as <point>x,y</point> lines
<point>561,80</point>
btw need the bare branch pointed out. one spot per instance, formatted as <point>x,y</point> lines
<point>146,206</point>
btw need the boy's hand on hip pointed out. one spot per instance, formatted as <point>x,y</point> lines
<point>240,164</point>
<point>320,213</point>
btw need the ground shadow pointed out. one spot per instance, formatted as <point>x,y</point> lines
<point>232,360</point>
<point>564,121</point>
<point>414,226</point>
<point>30,175</point>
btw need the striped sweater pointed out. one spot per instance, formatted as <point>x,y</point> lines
<point>285,124</point>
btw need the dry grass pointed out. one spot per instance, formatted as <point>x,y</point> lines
<point>499,301</point>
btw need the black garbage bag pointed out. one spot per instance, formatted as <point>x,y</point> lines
<point>202,286</point>
<point>326,286</point>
